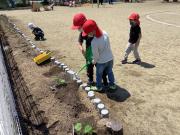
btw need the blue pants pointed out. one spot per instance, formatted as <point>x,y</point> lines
<point>106,68</point>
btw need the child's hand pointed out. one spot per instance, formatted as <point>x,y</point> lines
<point>83,52</point>
<point>93,62</point>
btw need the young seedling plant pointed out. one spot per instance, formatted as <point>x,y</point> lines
<point>83,129</point>
<point>60,82</point>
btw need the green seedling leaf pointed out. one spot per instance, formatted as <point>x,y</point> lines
<point>88,129</point>
<point>78,127</point>
<point>93,88</point>
<point>62,81</point>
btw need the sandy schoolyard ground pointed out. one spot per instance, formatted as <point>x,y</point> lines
<point>148,100</point>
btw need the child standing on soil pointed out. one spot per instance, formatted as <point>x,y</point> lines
<point>134,39</point>
<point>39,34</point>
<point>102,54</point>
<point>78,21</point>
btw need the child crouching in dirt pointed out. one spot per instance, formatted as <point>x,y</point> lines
<point>39,34</point>
<point>134,39</point>
<point>102,54</point>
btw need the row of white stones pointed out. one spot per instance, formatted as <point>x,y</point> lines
<point>104,113</point>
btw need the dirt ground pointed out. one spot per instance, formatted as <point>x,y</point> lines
<point>148,100</point>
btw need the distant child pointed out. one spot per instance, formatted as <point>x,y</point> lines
<point>102,54</point>
<point>39,34</point>
<point>78,20</point>
<point>134,39</point>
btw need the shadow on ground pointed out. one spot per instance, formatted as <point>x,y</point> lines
<point>119,95</point>
<point>144,64</point>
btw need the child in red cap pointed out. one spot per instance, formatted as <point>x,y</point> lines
<point>134,39</point>
<point>78,21</point>
<point>102,54</point>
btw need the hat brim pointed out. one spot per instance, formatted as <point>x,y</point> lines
<point>75,27</point>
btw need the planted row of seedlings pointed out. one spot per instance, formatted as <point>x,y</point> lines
<point>72,75</point>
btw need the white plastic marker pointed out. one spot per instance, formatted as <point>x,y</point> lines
<point>70,74</point>
<point>52,58</point>
<point>28,39</point>
<point>57,62</point>
<point>79,82</point>
<point>64,67</point>
<point>62,64</point>
<point>91,95</point>
<point>96,101</point>
<point>14,25</point>
<point>31,42</point>
<point>87,89</point>
<point>84,85</point>
<point>38,49</point>
<point>41,51</point>
<point>33,46</point>
<point>104,113</point>
<point>25,36</point>
<point>66,70</point>
<point>100,107</point>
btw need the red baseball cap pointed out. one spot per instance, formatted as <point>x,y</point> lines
<point>134,16</point>
<point>90,26</point>
<point>78,21</point>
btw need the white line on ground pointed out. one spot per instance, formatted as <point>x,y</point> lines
<point>161,22</point>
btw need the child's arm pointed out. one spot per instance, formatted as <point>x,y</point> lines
<point>80,40</point>
<point>95,52</point>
